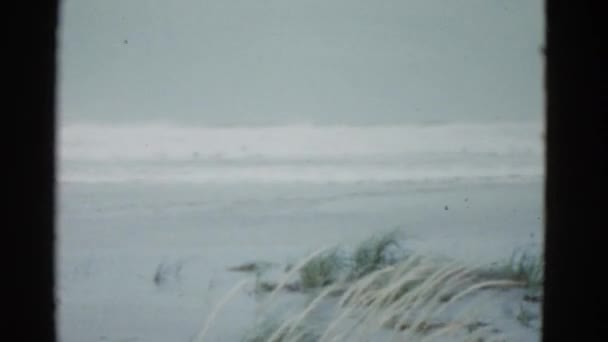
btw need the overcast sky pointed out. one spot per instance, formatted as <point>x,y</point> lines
<point>210,62</point>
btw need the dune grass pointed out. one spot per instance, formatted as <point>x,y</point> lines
<point>378,292</point>
<point>523,266</point>
<point>323,270</point>
<point>375,253</point>
<point>377,305</point>
<point>337,265</point>
<point>528,268</point>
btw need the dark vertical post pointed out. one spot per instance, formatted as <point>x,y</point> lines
<point>576,198</point>
<point>28,235</point>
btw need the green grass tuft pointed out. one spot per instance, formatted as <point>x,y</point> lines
<point>375,253</point>
<point>528,268</point>
<point>370,255</point>
<point>523,266</point>
<point>323,270</point>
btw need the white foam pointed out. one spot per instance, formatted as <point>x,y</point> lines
<point>157,152</point>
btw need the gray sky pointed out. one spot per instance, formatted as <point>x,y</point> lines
<point>305,61</point>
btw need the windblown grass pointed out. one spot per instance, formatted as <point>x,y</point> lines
<point>403,300</point>
<point>384,295</point>
<point>529,268</point>
<point>322,270</point>
<point>375,253</point>
<point>337,265</point>
<point>523,266</point>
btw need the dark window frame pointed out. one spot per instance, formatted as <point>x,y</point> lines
<point>576,171</point>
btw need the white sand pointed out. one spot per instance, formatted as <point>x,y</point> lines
<point>114,236</point>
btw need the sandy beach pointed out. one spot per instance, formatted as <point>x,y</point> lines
<point>115,233</point>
